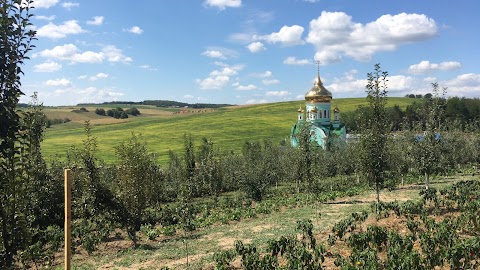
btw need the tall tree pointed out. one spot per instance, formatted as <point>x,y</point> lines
<point>16,35</point>
<point>427,152</point>
<point>137,171</point>
<point>374,130</point>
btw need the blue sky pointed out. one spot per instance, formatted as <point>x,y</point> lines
<point>248,51</point>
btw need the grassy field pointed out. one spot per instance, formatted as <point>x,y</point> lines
<point>163,129</point>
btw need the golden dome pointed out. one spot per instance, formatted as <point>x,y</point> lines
<point>314,110</point>
<point>336,110</point>
<point>318,93</point>
<point>300,110</point>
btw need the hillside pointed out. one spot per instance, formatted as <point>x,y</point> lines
<point>163,128</point>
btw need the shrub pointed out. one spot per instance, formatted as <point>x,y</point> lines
<point>133,111</point>
<point>100,111</point>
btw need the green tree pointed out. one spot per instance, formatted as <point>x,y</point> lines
<point>15,42</point>
<point>45,203</point>
<point>374,130</point>
<point>427,152</point>
<point>137,171</point>
<point>94,208</point>
<point>207,174</point>
<point>305,156</point>
<point>261,168</point>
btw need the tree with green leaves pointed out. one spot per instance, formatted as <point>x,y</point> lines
<point>305,158</point>
<point>94,207</point>
<point>374,130</point>
<point>137,172</point>
<point>16,35</point>
<point>428,147</point>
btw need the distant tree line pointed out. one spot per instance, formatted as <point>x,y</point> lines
<point>118,112</point>
<point>427,95</point>
<point>459,113</point>
<point>162,103</point>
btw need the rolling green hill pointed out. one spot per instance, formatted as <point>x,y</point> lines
<point>163,129</point>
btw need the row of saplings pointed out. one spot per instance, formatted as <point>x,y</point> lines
<point>440,230</point>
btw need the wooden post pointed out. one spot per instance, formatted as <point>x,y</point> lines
<point>68,218</point>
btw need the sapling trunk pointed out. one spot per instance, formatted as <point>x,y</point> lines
<point>427,180</point>
<point>186,248</point>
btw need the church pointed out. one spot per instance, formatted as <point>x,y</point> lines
<point>317,118</point>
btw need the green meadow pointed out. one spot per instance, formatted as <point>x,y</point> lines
<point>163,129</point>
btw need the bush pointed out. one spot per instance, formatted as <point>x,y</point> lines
<point>100,111</point>
<point>56,121</point>
<point>133,111</point>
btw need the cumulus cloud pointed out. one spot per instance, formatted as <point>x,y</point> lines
<point>249,87</point>
<point>277,93</point>
<point>464,85</point>
<point>71,95</point>
<point>70,52</point>
<point>216,82</point>
<point>265,74</point>
<point>469,79</point>
<point>134,30</point>
<point>148,67</point>
<point>95,95</point>
<point>49,66</point>
<point>335,34</point>
<point>227,71</point>
<point>45,18</point>
<point>100,75</point>
<point>214,54</point>
<point>350,75</point>
<point>44,3</point>
<point>97,20</point>
<point>256,47</point>
<point>294,61</point>
<point>222,4</point>
<point>427,67</point>
<point>430,79</point>
<point>219,78</point>
<point>270,82</point>
<point>54,31</point>
<point>398,85</point>
<point>256,101</point>
<point>287,36</point>
<point>115,55</point>
<point>59,82</point>
<point>220,64</point>
<point>70,5</point>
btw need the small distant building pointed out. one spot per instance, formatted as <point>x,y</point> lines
<point>317,117</point>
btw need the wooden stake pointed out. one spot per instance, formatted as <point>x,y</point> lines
<point>68,218</point>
